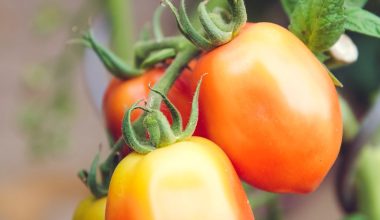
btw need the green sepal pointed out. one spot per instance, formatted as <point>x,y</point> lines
<point>129,134</point>
<point>222,19</point>
<point>193,119</point>
<point>239,15</point>
<point>334,79</point>
<point>176,116</point>
<point>150,123</point>
<point>211,22</point>
<point>113,63</point>
<point>90,179</point>
<point>185,26</point>
<point>167,136</point>
<point>158,56</point>
<point>214,33</point>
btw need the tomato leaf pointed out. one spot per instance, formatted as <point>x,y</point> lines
<point>289,6</point>
<point>362,21</point>
<point>355,3</point>
<point>318,23</point>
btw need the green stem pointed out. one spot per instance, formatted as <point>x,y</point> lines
<point>185,55</point>
<point>121,17</point>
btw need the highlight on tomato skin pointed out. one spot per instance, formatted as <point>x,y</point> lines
<point>191,179</point>
<point>272,107</point>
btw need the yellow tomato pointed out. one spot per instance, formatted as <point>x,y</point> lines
<point>188,180</point>
<point>91,209</point>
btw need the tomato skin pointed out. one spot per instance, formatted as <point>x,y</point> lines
<point>120,95</point>
<point>270,104</point>
<point>91,209</point>
<point>190,179</point>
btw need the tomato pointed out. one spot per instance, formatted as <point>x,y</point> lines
<point>91,209</point>
<point>191,179</point>
<point>120,95</point>
<point>272,107</point>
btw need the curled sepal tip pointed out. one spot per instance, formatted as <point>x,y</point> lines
<point>239,15</point>
<point>216,35</point>
<point>219,26</point>
<point>129,134</point>
<point>113,63</point>
<point>185,26</point>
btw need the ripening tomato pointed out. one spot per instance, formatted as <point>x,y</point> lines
<point>91,209</point>
<point>188,180</point>
<point>272,107</point>
<point>120,95</point>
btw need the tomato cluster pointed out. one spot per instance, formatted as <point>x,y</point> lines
<point>266,101</point>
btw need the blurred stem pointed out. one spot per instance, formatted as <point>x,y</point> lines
<point>121,19</point>
<point>271,201</point>
<point>345,187</point>
<point>367,182</point>
<point>274,211</point>
<point>261,199</point>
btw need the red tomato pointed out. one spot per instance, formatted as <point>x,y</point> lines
<point>120,95</point>
<point>272,107</point>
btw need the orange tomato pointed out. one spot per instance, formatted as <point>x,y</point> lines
<point>272,107</point>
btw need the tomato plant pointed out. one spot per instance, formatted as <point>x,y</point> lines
<point>91,208</point>
<point>272,107</point>
<point>191,179</point>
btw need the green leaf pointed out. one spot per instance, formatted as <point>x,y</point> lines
<point>318,23</point>
<point>355,3</point>
<point>289,6</point>
<point>362,21</point>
